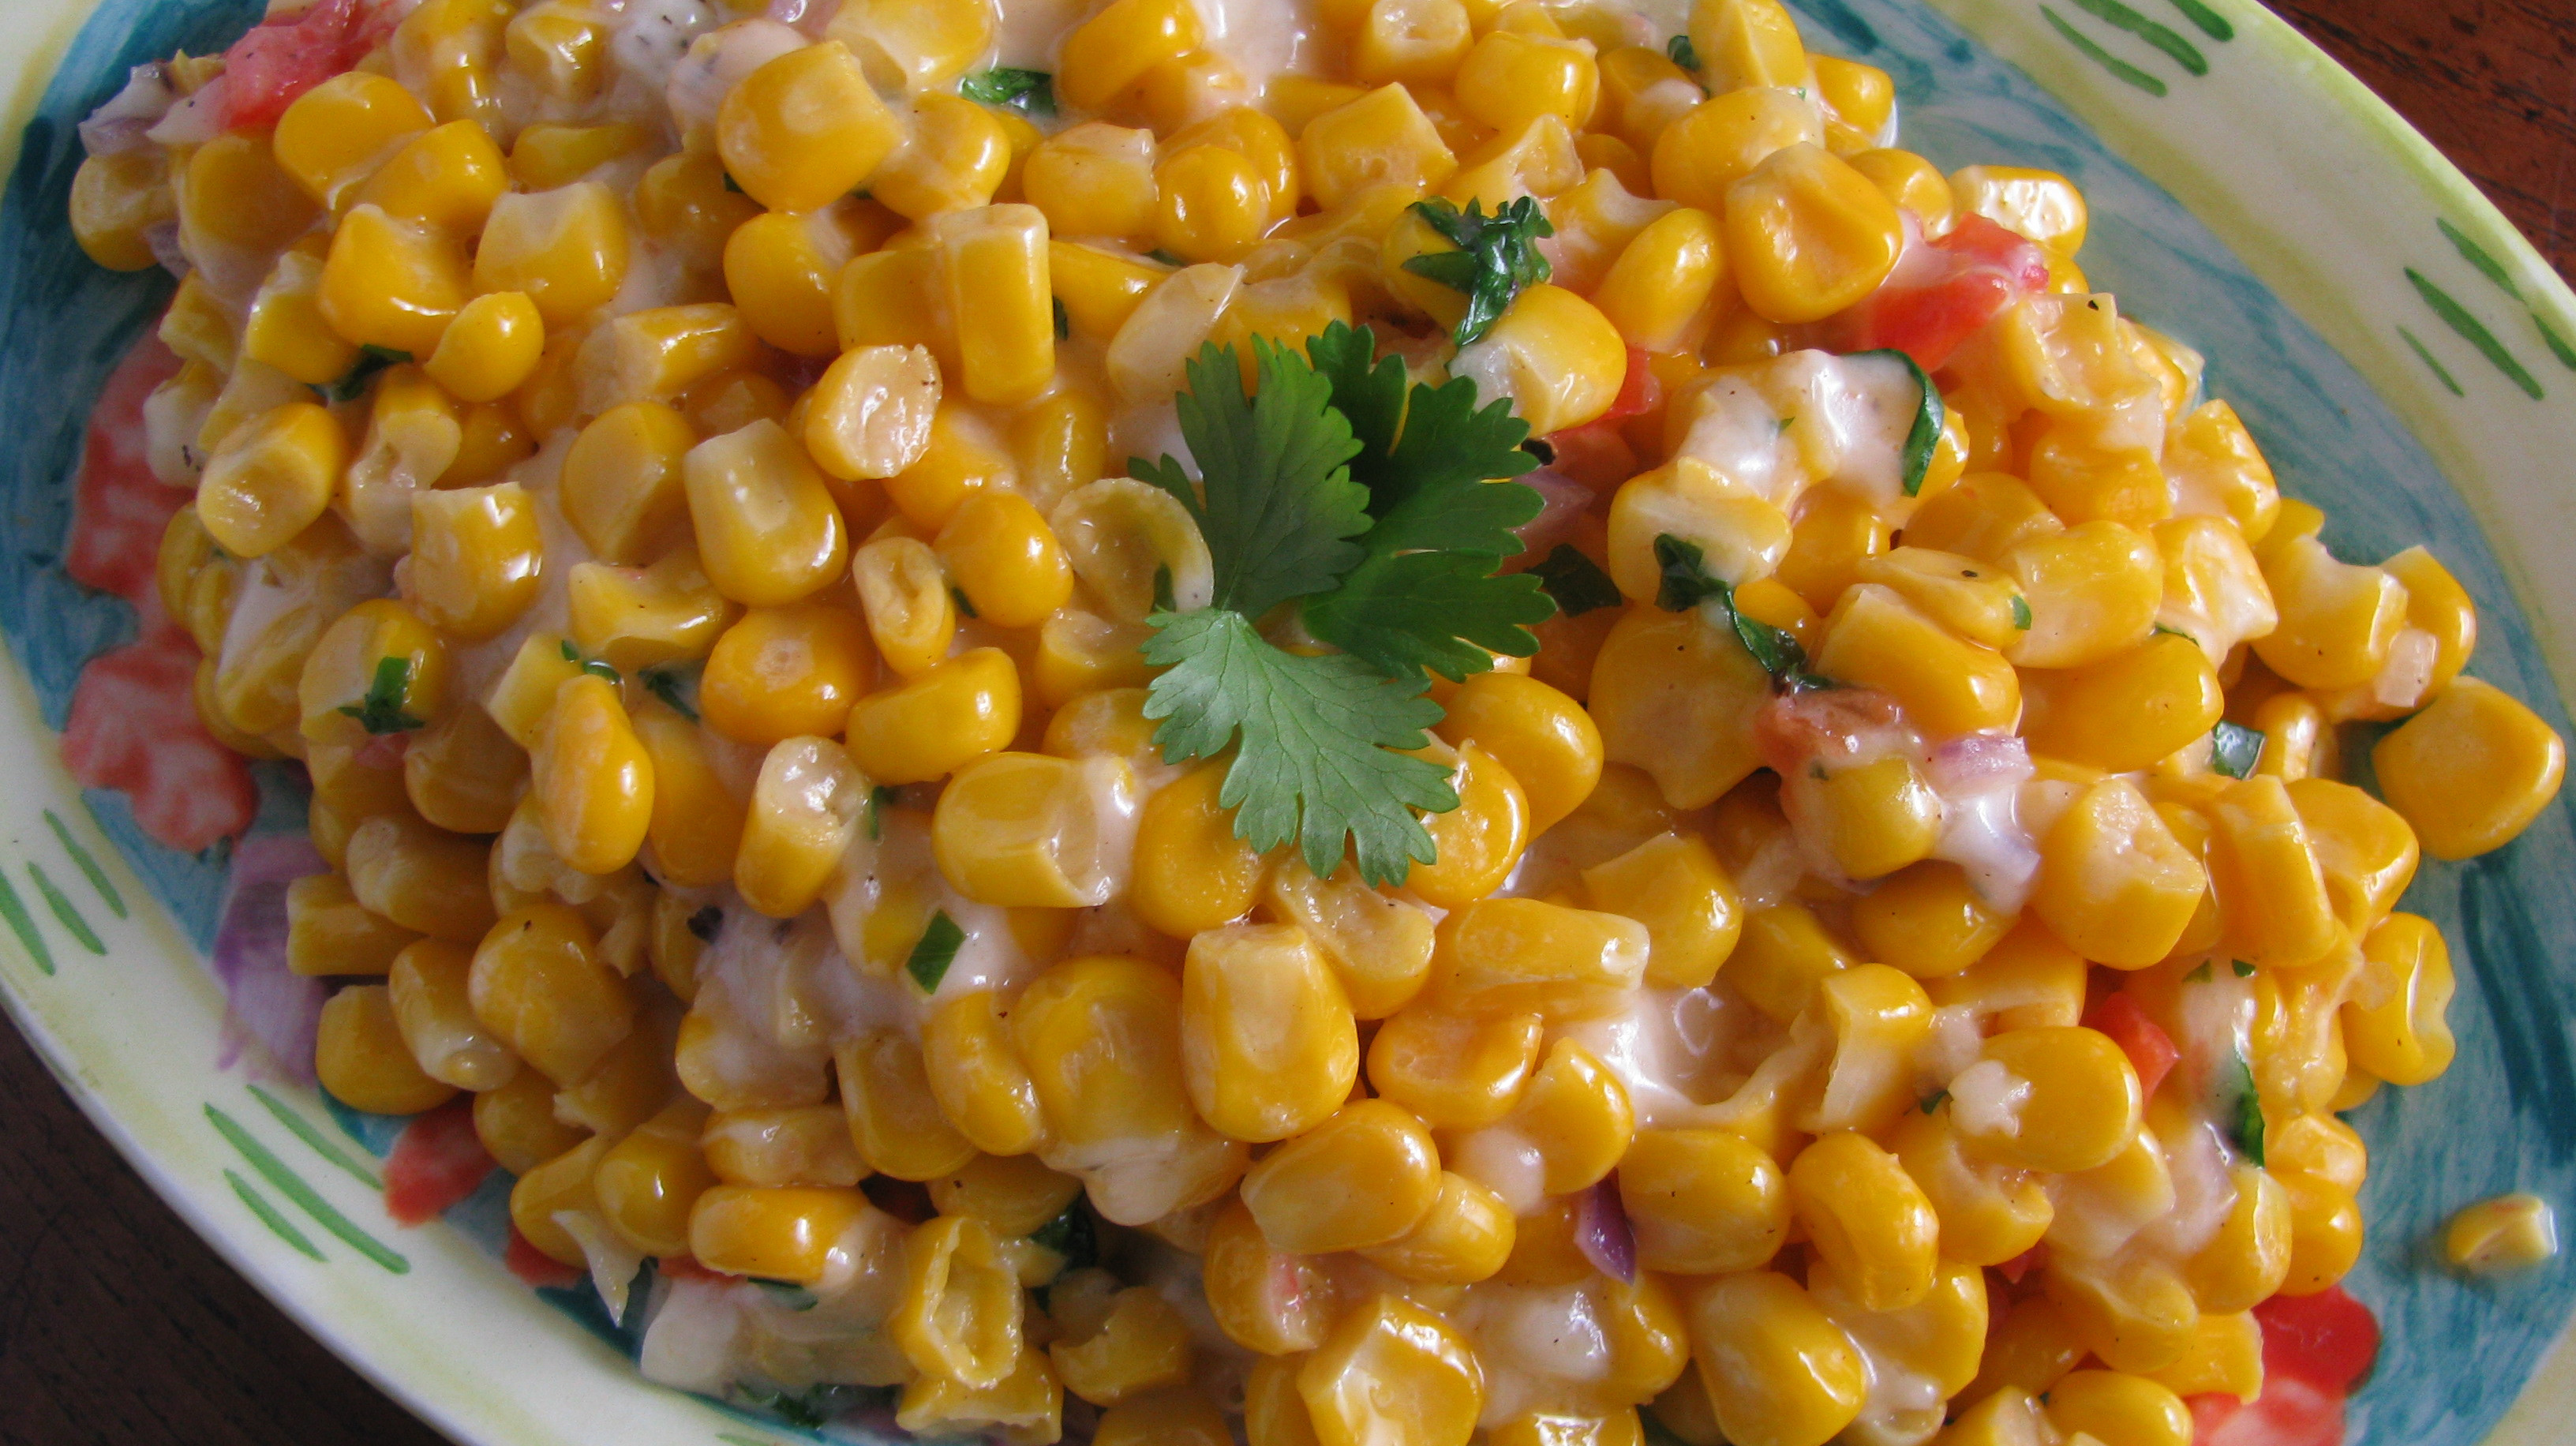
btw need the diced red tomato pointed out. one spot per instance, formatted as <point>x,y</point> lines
<point>1640,391</point>
<point>2288,1413</point>
<point>438,1161</point>
<point>2150,1050</point>
<point>119,509</point>
<point>1973,276</point>
<point>534,1266</point>
<point>281,59</point>
<point>1827,724</point>
<point>2328,1338</point>
<point>134,728</point>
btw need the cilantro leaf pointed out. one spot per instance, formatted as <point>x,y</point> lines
<point>1031,92</point>
<point>2240,969</point>
<point>676,684</point>
<point>352,384</point>
<point>1687,583</point>
<point>1443,611</point>
<point>1684,54</point>
<point>2199,975</point>
<point>1281,508</point>
<point>1315,761</point>
<point>2244,1117</point>
<point>1497,257</point>
<point>2234,749</point>
<point>1071,1235</point>
<point>1576,582</point>
<point>1923,438</point>
<point>787,1293</point>
<point>934,952</point>
<point>2021,612</point>
<point>381,711</point>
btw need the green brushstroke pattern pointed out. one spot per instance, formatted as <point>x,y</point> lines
<point>89,868</point>
<point>23,924</point>
<point>2212,24</point>
<point>2474,332</point>
<point>2092,51</point>
<point>288,1184</point>
<point>2476,255</point>
<point>2425,355</point>
<point>311,1134</point>
<point>2558,346</point>
<point>64,914</point>
<point>731,1439</point>
<point>269,1215</point>
<point>2184,53</point>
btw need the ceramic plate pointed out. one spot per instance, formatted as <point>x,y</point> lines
<point>2404,358</point>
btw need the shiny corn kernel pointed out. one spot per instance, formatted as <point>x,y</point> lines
<point>958,1314</point>
<point>804,129</point>
<point>1028,830</point>
<point>622,487</point>
<point>1478,843</point>
<point>1866,1218</point>
<point>271,479</point>
<point>1702,152</point>
<point>872,412</point>
<point>799,1233</point>
<point>422,878</point>
<point>1778,1371</point>
<point>784,671</point>
<point>362,1059</point>
<point>1094,179</point>
<point>2471,771</point>
<point>1268,1047</point>
<point>2406,1038</point>
<point>1363,1177</point>
<point>1391,1371</point>
<point>116,203</point>
<point>1875,639</point>
<point>894,1116</point>
<point>329,933</point>
<point>1380,947</point>
<point>537,986</point>
<point>954,159</point>
<point>1502,956</point>
<point>2055,1099</point>
<point>1109,53</point>
<point>1192,872</point>
<point>795,1145</point>
<point>233,191</point>
<point>1465,1237</point>
<point>980,1083</point>
<point>592,780</point>
<point>566,249</point>
<point>993,265</point>
<point>2114,882</point>
<point>766,525</point>
<point>1455,1071</point>
<point>2127,711</point>
<point>804,809</point>
<point>935,723</point>
<point>1142,1346</point>
<point>2041,205</point>
<point>1380,138</point>
<point>1005,557</point>
<point>477,558</point>
<point>2505,1234</point>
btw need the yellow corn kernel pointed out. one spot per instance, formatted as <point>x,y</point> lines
<point>1028,1405</point>
<point>1104,1100</point>
<point>517,1123</point>
<point>1111,52</point>
<point>2247,1257</point>
<point>1379,947</point>
<point>2325,1233</point>
<point>1988,1213</point>
<point>463,774</point>
<point>1264,1299</point>
<point>391,283</point>
<point>1700,154</point>
<point>2119,1409</point>
<point>446,179</point>
<point>2437,604</point>
<point>871,412</point>
<point>954,159</point>
<point>1142,1346</point>
<point>1665,676</point>
<point>1211,204</point>
<point>792,1233</point>
<point>683,202</point>
<point>381,664</point>
<point>1081,654</point>
<point>536,984</point>
<point>1506,956</point>
<point>1553,354</point>
<point>286,328</point>
<point>1121,535</point>
<point>1870,819</point>
<point>1866,1218</point>
<point>1746,42</point>
<point>592,780</point>
<point>1927,920</point>
<point>913,47</point>
<point>490,347</point>
<point>2040,205</point>
<point>780,672</point>
<point>1660,291</point>
<point>1015,1195</point>
<point>661,352</point>
<point>2093,591</point>
<point>961,456</point>
<point>2031,1349</point>
<point>2405,1039</point>
<point>1003,555</point>
<point>1872,1014</point>
<point>2225,1357</point>
<point>1982,517</point>
<point>804,808</point>
<point>1577,1116</point>
<point>1807,235</point>
<point>993,265</point>
<point>1192,872</point>
<point>2471,771</point>
<point>1455,1071</point>
<point>795,1145</point>
<point>1543,738</point>
<point>1094,179</point>
<point>198,327</point>
<point>2057,1099</point>
<point>1379,138</point>
<point>2129,710</point>
<point>804,129</point>
<point>978,1081</point>
<point>647,1183</point>
<point>780,269</point>
<point>1508,79</point>
<point>938,721</point>
<point>567,249</point>
<point>546,155</point>
<point>1477,844</point>
<point>2114,883</point>
<point>885,298</point>
<point>362,1059</point>
<point>894,1117</point>
<point>958,1313</point>
<point>622,487</point>
<point>525,692</point>
<point>1363,1177</point>
<point>1391,1371</point>
<point>432,1008</point>
<point>2338,621</point>
<point>2271,895</point>
<point>557,1186</point>
<point>766,525</point>
<point>1836,537</point>
<point>1783,955</point>
<point>1028,830</point>
<point>477,558</point>
<point>1874,639</point>
<point>271,478</point>
<point>233,191</point>
<point>1673,884</point>
<point>1778,1371</point>
<point>2505,1234</point>
<point>329,933</point>
<point>910,612</point>
<point>2131,1311</point>
<point>1465,1237</point>
<point>116,203</point>
<point>1413,42</point>
<point>561,47</point>
<point>1703,1202</point>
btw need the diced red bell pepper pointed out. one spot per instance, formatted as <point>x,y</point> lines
<point>1982,270</point>
<point>2150,1050</point>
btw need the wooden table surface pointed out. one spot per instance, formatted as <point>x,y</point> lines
<point>118,1324</point>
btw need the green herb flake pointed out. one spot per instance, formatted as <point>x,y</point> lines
<point>964,607</point>
<point>352,384</point>
<point>602,670</point>
<point>676,684</point>
<point>1030,92</point>
<point>2021,612</point>
<point>1063,322</point>
<point>880,798</point>
<point>2234,749</point>
<point>1687,583</point>
<point>2245,1112</point>
<point>381,711</point>
<point>936,950</point>
<point>787,1293</point>
<point>2241,969</point>
<point>1165,257</point>
<point>1933,1100</point>
<point>1684,54</point>
<point>1576,582</point>
<point>1497,257</point>
<point>1070,1235</point>
<point>1923,438</point>
<point>2199,975</point>
<point>571,654</point>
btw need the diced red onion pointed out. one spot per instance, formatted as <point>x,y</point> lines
<point>1566,500</point>
<point>1602,1232</point>
<point>1975,762</point>
<point>118,126</point>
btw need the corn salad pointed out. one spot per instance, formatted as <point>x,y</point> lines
<point>1901,940</point>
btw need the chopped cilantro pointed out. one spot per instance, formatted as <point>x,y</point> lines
<point>2161,630</point>
<point>1497,257</point>
<point>1031,92</point>
<point>965,608</point>
<point>381,711</point>
<point>571,654</point>
<point>1336,485</point>
<point>787,1293</point>
<point>352,384</point>
<point>2199,975</point>
<point>1933,1100</point>
<point>1687,583</point>
<point>1071,1235</point>
<point>1684,54</point>
<point>1924,437</point>
<point>2021,612</point>
<point>731,184</point>
<point>1166,257</point>
<point>1576,582</point>
<point>1063,322</point>
<point>706,922</point>
<point>936,950</point>
<point>2244,1117</point>
<point>599,669</point>
<point>880,798</point>
<point>2241,969</point>
<point>676,684</point>
<point>2234,749</point>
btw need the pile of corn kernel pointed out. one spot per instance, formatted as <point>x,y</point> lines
<point>653,465</point>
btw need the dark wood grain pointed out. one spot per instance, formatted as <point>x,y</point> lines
<point>118,1325</point>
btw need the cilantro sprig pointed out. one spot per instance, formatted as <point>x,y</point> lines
<point>1365,501</point>
<point>1497,257</point>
